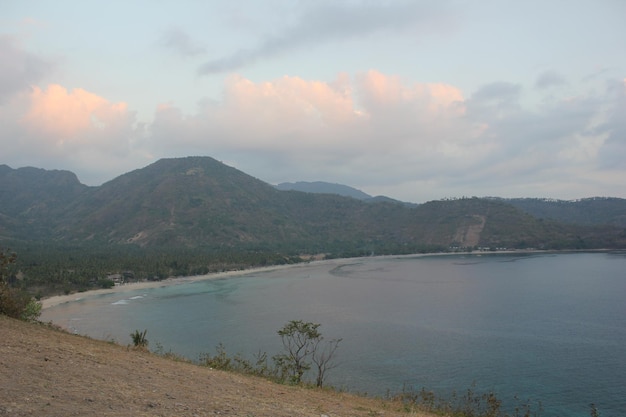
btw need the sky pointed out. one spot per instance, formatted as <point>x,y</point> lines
<point>415,100</point>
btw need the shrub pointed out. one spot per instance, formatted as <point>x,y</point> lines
<point>15,302</point>
<point>106,283</point>
<point>139,339</point>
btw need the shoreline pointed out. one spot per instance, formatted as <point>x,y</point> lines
<point>56,300</point>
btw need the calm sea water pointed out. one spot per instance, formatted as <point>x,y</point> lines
<point>549,327</point>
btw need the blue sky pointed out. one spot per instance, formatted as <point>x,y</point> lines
<point>416,100</point>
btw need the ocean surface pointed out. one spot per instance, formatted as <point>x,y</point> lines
<point>548,328</point>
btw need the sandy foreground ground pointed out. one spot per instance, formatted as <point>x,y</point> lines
<point>47,372</point>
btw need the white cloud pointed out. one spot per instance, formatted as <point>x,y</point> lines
<point>76,130</point>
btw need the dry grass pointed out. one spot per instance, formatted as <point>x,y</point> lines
<point>47,372</point>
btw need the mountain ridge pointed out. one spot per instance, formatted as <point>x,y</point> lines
<point>200,202</point>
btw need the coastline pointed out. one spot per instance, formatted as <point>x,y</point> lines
<point>56,300</point>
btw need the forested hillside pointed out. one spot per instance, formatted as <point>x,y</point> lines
<point>595,210</point>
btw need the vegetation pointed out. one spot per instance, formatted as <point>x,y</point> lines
<point>587,211</point>
<point>302,343</point>
<point>15,302</point>
<point>63,268</point>
<point>139,339</point>
<point>303,346</point>
<point>468,404</point>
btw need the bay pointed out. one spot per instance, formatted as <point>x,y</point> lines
<point>542,327</point>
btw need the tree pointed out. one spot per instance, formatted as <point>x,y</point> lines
<point>15,302</point>
<point>302,343</point>
<point>323,359</point>
<point>6,259</point>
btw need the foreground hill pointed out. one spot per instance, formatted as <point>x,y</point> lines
<point>51,373</point>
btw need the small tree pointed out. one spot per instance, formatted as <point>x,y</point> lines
<point>323,359</point>
<point>302,343</point>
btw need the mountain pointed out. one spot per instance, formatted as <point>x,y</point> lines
<point>198,202</point>
<point>320,187</point>
<point>32,198</point>
<point>175,201</point>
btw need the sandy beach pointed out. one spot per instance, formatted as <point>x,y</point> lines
<point>62,299</point>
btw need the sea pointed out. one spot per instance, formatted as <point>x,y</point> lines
<point>547,329</point>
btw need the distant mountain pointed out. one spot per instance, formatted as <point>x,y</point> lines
<point>320,187</point>
<point>33,199</point>
<point>200,203</point>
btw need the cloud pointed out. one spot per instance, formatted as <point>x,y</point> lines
<point>549,79</point>
<point>613,151</point>
<point>296,115</point>
<point>382,132</point>
<point>371,130</point>
<point>334,21</point>
<point>553,150</point>
<point>268,115</point>
<point>18,68</point>
<point>498,92</point>
<point>79,130</point>
<point>180,43</point>
<point>360,127</point>
<point>73,117</point>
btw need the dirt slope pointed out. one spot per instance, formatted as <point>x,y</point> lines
<point>44,372</point>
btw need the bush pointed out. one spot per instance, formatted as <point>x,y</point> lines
<point>139,339</point>
<point>106,283</point>
<point>15,302</point>
<point>18,304</point>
